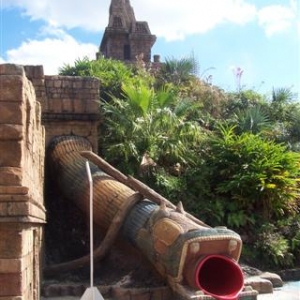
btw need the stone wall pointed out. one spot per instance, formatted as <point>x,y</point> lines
<point>28,100</point>
<point>70,105</point>
<point>22,212</point>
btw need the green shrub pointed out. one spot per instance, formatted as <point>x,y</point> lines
<point>256,179</point>
<point>273,248</point>
<point>111,73</point>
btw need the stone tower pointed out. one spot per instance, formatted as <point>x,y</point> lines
<point>124,37</point>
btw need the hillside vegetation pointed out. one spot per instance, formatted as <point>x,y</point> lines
<point>231,157</point>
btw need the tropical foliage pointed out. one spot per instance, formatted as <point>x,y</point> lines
<point>232,158</point>
<point>148,121</point>
<point>112,73</point>
<point>256,178</point>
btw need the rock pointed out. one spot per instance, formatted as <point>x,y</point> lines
<point>290,275</point>
<point>11,69</point>
<point>263,286</point>
<point>250,271</point>
<point>274,278</point>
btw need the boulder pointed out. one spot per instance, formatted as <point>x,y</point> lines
<point>274,278</point>
<point>262,286</point>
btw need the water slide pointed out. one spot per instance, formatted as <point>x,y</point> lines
<point>191,256</point>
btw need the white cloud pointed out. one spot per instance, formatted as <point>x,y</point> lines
<point>171,19</point>
<point>90,14</point>
<point>277,18</point>
<point>174,19</point>
<point>51,52</point>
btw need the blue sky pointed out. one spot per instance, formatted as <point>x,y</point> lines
<point>259,36</point>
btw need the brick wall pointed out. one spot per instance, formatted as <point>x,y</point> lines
<point>70,105</point>
<point>28,99</point>
<point>22,212</point>
<point>20,246</point>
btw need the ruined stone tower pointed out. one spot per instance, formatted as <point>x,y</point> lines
<point>124,37</point>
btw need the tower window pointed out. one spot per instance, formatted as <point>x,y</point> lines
<point>117,22</point>
<point>127,54</point>
<point>141,28</point>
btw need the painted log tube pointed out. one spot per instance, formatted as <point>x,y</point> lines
<point>188,255</point>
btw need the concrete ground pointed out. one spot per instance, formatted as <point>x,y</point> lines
<point>61,298</point>
<point>66,298</point>
<point>290,291</point>
<point>277,295</point>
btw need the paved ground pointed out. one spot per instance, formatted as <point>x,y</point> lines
<point>67,298</point>
<point>61,298</point>
<point>290,291</point>
<point>275,296</point>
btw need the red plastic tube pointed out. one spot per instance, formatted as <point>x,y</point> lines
<point>218,276</point>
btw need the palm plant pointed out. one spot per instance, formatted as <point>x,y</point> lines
<point>179,71</point>
<point>280,105</point>
<point>152,122</point>
<point>241,101</point>
<point>253,120</point>
<point>283,112</point>
<point>293,129</point>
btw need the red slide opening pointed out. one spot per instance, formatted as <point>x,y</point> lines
<point>219,276</point>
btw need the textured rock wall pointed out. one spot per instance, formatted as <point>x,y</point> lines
<point>22,210</point>
<point>28,99</point>
<point>20,261</point>
<point>70,105</point>
<point>21,147</point>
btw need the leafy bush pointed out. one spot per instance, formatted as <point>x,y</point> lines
<point>272,248</point>
<point>111,73</point>
<point>256,179</point>
<point>241,101</point>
